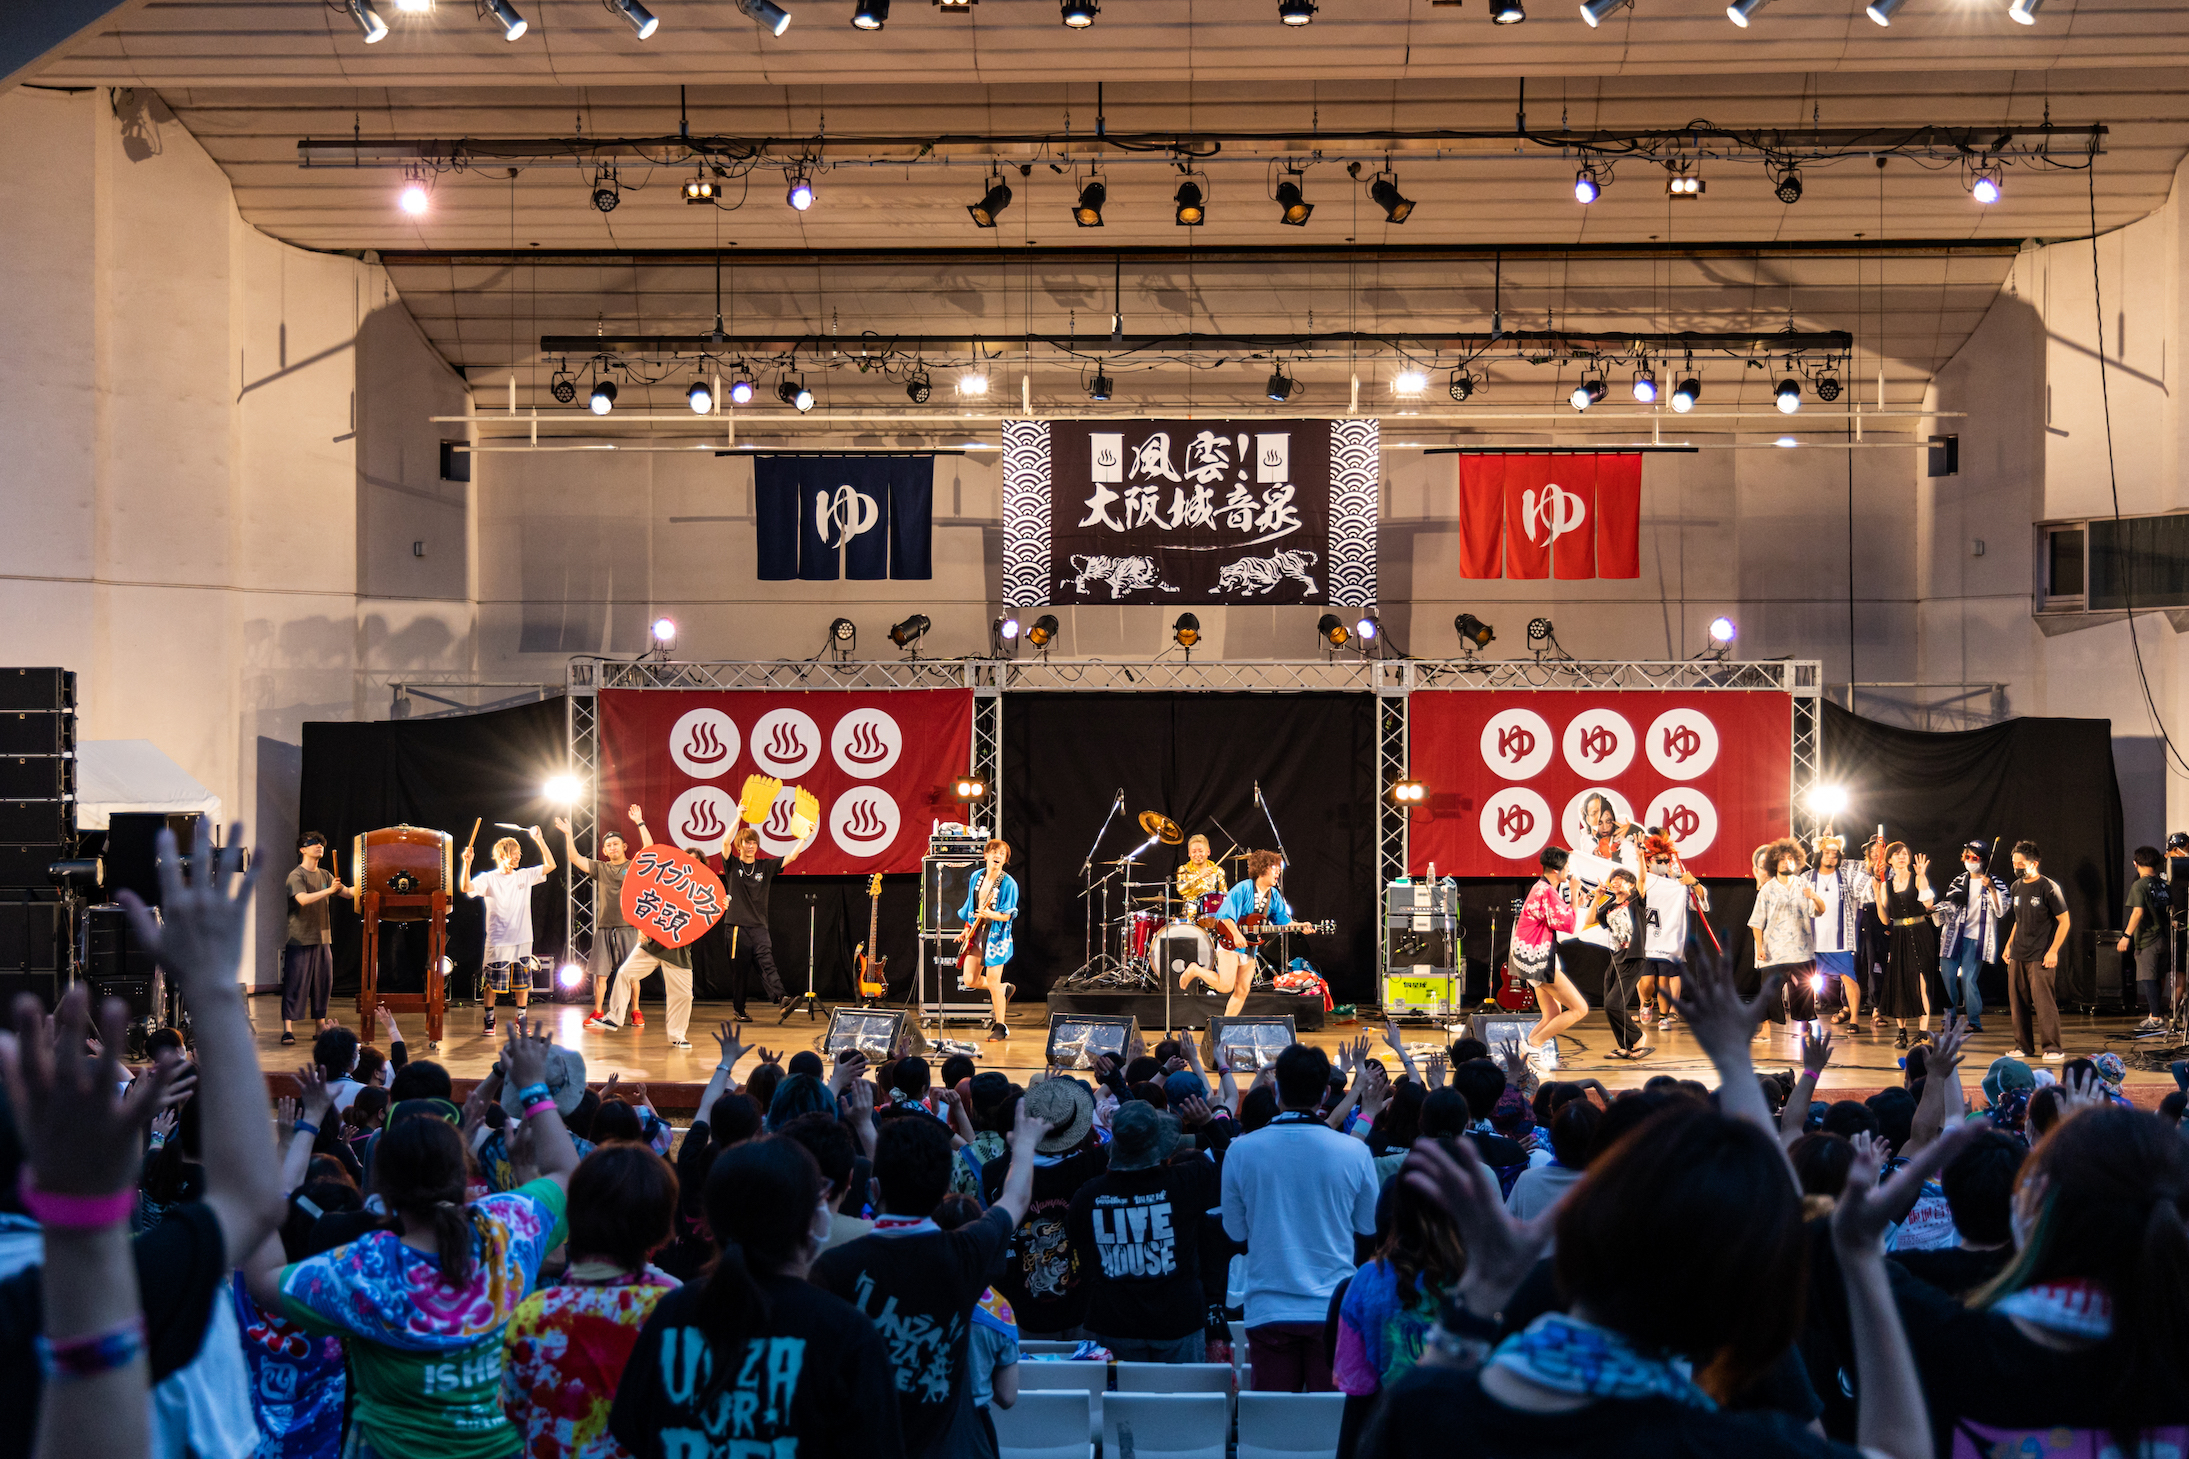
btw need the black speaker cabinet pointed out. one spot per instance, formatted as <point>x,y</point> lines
<point>130,849</point>
<point>47,821</point>
<point>111,953</point>
<point>1433,949</point>
<point>45,987</point>
<point>25,866</point>
<point>37,777</point>
<point>32,936</point>
<point>37,732</point>
<point>943,880</point>
<point>37,689</point>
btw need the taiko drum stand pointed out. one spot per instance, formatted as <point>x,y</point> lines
<point>373,906</point>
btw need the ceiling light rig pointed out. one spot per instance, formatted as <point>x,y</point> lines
<point>416,195</point>
<point>1645,384</point>
<point>700,397</point>
<point>1384,193</point>
<point>563,387</point>
<point>1881,11</point>
<point>1588,183</point>
<point>1740,11</point>
<point>1828,387</point>
<point>1296,12</point>
<point>1293,207</point>
<point>992,203</point>
<point>700,189</point>
<point>1079,14</point>
<point>799,192</point>
<point>1101,387</point>
<point>1984,183</point>
<point>1686,393</point>
<point>792,391</point>
<point>1507,12</point>
<point>1681,183</point>
<point>1087,212</point>
<point>642,20</point>
<point>765,13</point>
<point>1596,12</point>
<point>368,21</point>
<point>870,14</point>
<point>1462,385</point>
<point>603,398</point>
<point>1788,395</point>
<point>607,189</point>
<point>1189,206</point>
<point>741,387</point>
<point>919,387</point>
<point>1787,184</point>
<point>2024,12</point>
<point>1591,390</point>
<point>505,15</point>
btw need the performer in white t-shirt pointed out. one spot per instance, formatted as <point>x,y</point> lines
<point>1845,889</point>
<point>507,892</point>
<point>1609,845</point>
<point>1670,890</point>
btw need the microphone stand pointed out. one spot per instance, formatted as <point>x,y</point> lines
<point>1284,938</point>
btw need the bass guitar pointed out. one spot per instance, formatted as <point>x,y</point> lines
<point>870,969</point>
<point>1251,933</point>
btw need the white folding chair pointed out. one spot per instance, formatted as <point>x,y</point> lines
<point>1042,1425</point>
<point>1047,1345</point>
<point>1055,1375</point>
<point>1175,1378</point>
<point>1168,1425</point>
<point>1288,1425</point>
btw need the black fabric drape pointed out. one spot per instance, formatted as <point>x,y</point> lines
<point>836,926</point>
<point>1196,758</point>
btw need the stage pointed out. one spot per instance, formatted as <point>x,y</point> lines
<point>1863,1061</point>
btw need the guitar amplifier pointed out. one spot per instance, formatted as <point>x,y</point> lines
<point>943,880</point>
<point>1409,899</point>
<point>1437,947</point>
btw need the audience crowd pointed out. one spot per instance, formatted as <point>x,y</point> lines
<point>835,1259</point>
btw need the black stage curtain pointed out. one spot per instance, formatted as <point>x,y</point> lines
<point>1196,758</point>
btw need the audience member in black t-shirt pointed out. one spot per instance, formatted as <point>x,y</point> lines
<point>1043,1278</point>
<point>756,1359</point>
<point>918,1282</point>
<point>1479,1083</point>
<point>1135,1231</point>
<point>1979,1186</point>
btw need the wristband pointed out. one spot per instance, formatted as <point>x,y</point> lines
<point>540,1107</point>
<point>303,1127</point>
<point>532,1094</point>
<point>93,1354</point>
<point>74,1213</point>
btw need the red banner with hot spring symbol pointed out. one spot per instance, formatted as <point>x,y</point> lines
<point>884,767</point>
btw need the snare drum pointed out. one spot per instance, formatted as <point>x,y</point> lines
<point>1140,928</point>
<point>1210,902</point>
<point>1178,945</point>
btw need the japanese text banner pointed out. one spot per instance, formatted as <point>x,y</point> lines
<point>1508,773</point>
<point>883,765</point>
<point>1173,511</point>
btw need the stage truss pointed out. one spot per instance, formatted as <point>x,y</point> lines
<point>1391,680</point>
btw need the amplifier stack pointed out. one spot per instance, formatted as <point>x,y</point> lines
<point>37,827</point>
<point>1421,976</point>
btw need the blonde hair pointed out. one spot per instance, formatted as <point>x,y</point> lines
<point>509,841</point>
<point>1197,840</point>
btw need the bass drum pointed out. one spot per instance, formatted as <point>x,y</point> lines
<point>1178,945</point>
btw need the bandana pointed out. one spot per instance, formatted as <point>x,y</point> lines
<point>1567,1355</point>
<point>2077,1308</point>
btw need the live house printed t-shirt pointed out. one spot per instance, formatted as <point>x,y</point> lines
<point>1143,1229</point>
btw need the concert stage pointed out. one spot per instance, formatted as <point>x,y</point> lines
<point>1192,1010</point>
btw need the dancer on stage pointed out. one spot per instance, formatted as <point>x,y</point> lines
<point>746,876</point>
<point>1845,890</point>
<point>307,962</point>
<point>507,892</point>
<point>1667,890</point>
<point>1784,923</point>
<point>991,905</point>
<point>1622,909</point>
<point>1548,911</point>
<point>1233,975</point>
<point>1970,938</point>
<point>1199,876</point>
<point>1904,901</point>
<point>613,935</point>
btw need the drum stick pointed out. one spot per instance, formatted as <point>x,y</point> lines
<point>475,825</point>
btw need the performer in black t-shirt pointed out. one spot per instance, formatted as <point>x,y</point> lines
<point>746,876</point>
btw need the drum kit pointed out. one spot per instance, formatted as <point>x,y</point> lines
<point>1154,935</point>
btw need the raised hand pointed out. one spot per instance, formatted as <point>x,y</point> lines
<point>1716,1014</point>
<point>1866,1208</point>
<point>1501,1251</point>
<point>1434,1069</point>
<point>388,1026</point>
<point>562,824</point>
<point>732,1050</point>
<point>856,1104</point>
<point>608,1090</point>
<point>80,1137</point>
<point>2080,1091</point>
<point>1193,1112</point>
<point>525,1055</point>
<point>768,1056</point>
<point>311,1083</point>
<point>1376,1095</point>
<point>180,1091</point>
<point>638,817</point>
<point>1922,864</point>
<point>285,1111</point>
<point>1514,1057</point>
<point>198,936</point>
<point>1946,1050</point>
<point>850,1069</point>
<point>1816,1052</point>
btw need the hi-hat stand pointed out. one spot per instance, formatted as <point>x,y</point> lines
<point>809,1000</point>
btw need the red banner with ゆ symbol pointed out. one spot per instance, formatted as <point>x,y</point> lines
<point>1511,773</point>
<point>1538,516</point>
<point>883,766</point>
<point>670,897</point>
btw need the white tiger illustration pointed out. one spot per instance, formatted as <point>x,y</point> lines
<point>1123,574</point>
<point>1253,575</point>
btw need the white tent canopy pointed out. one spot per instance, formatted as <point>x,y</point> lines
<point>133,775</point>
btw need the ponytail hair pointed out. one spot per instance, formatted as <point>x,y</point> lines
<point>418,1169</point>
<point>761,1196</point>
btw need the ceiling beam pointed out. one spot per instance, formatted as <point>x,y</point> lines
<point>33,32</point>
<point>1548,343</point>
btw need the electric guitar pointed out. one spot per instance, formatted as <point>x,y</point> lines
<point>869,970</point>
<point>1250,924</point>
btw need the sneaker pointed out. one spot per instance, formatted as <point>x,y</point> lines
<point>2014,1054</point>
<point>1649,1015</point>
<point>2149,1027</point>
<point>1545,1058</point>
<point>2054,1056</point>
<point>997,1033</point>
<point>677,1043</point>
<point>490,1020</point>
<point>638,1019</point>
<point>601,1020</point>
<point>1667,1019</point>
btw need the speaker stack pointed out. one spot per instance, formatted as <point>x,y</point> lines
<point>37,827</point>
<point>953,863</point>
<point>1421,972</point>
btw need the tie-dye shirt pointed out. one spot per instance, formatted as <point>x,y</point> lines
<point>426,1358</point>
<point>297,1383</point>
<point>1380,1336</point>
<point>563,1355</point>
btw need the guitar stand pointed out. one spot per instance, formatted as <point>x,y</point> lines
<point>809,1000</point>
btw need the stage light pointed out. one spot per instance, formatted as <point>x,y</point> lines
<point>843,633</point>
<point>571,975</point>
<point>1474,631</point>
<point>1539,631</point>
<point>562,789</point>
<point>1788,395</point>
<point>1507,12</point>
<point>919,387</point>
<point>1100,387</point>
<point>1985,187</point>
<point>1645,385</point>
<point>603,398</point>
<point>1591,390</point>
<point>1827,801</point>
<point>1088,212</point>
<point>699,189</point>
<point>2024,12</point>
<point>513,25</point>
<point>1331,630</point>
<point>1044,631</point>
<point>1686,393</point>
<point>1384,193</point>
<point>800,192</point>
<point>414,199</point>
<point>1462,385</point>
<point>664,631</point>
<point>1079,14</point>
<point>1293,208</point>
<point>1409,792</point>
<point>1828,388</point>
<point>1684,185</point>
<point>802,398</point>
<point>642,20</point>
<point>793,392</point>
<point>767,13</point>
<point>1722,630</point>
<point>1366,628</point>
<point>1881,11</point>
<point>972,788</point>
<point>414,7</point>
<point>1786,442</point>
<point>1280,386</point>
<point>1595,11</point>
<point>1788,187</point>
<point>992,203</point>
<point>1188,209</point>
<point>1587,188</point>
<point>1295,12</point>
<point>1409,382</point>
<point>701,398</point>
<point>374,29</point>
<point>564,389</point>
<point>1739,11</point>
<point>1007,628</point>
<point>1186,632</point>
<point>909,632</point>
<point>871,14</point>
<point>606,193</point>
<point>741,388</point>
<point>973,383</point>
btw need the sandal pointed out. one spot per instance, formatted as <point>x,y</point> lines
<point>287,1037</point>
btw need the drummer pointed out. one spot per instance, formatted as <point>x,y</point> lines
<point>1199,877</point>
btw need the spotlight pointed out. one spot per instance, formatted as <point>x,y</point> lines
<point>1281,385</point>
<point>1044,631</point>
<point>1188,208</point>
<point>1723,630</point>
<point>1079,14</point>
<point>1186,632</point>
<point>1684,185</point>
<point>1686,393</point>
<point>1828,388</point>
<point>741,389</point>
<point>603,398</point>
<point>570,975</point>
<point>1384,193</point>
<point>1645,385</point>
<point>1293,208</point>
<point>1100,386</point>
<point>973,383</point>
<point>1788,395</point>
<point>909,632</point>
<point>513,25</point>
<point>1985,189</point>
<point>1409,382</point>
<point>1462,385</point>
<point>1331,630</point>
<point>1587,187</point>
<point>1087,213</point>
<point>800,192</point>
<point>664,632</point>
<point>971,788</point>
<point>606,193</point>
<point>1739,11</point>
<point>1295,12</point>
<point>1507,12</point>
<point>1788,186</point>
<point>701,397</point>
<point>842,634</point>
<point>1366,628</point>
<point>919,387</point>
<point>699,189</point>
<point>802,398</point>
<point>793,392</point>
<point>991,204</point>
<point>1881,11</point>
<point>2024,12</point>
<point>1007,628</point>
<point>1539,632</point>
<point>368,20</point>
<point>1827,801</point>
<point>1409,792</point>
<point>564,389</point>
<point>1595,11</point>
<point>767,13</point>
<point>642,20</point>
<point>1591,390</point>
<point>562,789</point>
<point>1474,631</point>
<point>871,14</point>
<point>414,7</point>
<point>413,199</point>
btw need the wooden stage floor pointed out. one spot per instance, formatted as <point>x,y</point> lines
<point>1862,1061</point>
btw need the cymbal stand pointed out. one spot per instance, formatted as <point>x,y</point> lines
<point>811,1001</point>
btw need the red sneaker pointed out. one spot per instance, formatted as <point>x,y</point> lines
<point>638,1019</point>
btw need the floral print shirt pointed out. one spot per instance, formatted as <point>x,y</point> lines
<point>563,1355</point>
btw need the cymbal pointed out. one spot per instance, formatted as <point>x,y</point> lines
<point>1162,827</point>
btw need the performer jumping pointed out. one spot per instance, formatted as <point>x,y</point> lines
<point>991,905</point>
<point>1548,911</point>
<point>1845,889</point>
<point>507,892</point>
<point>1233,974</point>
<point>1904,901</point>
<point>1784,923</point>
<point>613,935</point>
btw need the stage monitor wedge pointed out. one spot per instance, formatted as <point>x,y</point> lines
<point>1077,1039</point>
<point>1248,1043</point>
<point>878,1033</point>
